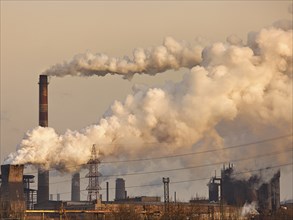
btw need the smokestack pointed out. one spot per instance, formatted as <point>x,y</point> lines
<point>75,187</point>
<point>107,191</point>
<point>43,101</point>
<point>175,196</point>
<point>43,176</point>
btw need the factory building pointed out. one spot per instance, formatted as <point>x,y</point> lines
<point>269,194</point>
<point>236,192</point>
<point>12,200</point>
<point>121,195</point>
<point>213,186</point>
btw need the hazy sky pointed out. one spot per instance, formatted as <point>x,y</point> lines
<point>36,35</point>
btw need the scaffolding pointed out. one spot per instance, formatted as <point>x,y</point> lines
<point>30,195</point>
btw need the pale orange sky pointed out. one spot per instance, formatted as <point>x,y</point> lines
<point>36,35</point>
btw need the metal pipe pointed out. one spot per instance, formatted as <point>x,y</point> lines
<point>66,211</point>
<point>43,176</point>
<point>175,196</point>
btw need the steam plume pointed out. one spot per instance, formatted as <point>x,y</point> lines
<point>170,55</point>
<point>247,85</point>
<point>249,209</point>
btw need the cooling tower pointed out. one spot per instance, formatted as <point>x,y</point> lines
<point>12,195</point>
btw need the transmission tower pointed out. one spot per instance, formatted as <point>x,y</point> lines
<point>94,186</point>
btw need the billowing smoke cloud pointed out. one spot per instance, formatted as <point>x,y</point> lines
<point>170,55</point>
<point>233,84</point>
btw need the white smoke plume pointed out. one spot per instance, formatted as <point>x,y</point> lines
<point>249,209</point>
<point>234,84</point>
<point>170,55</point>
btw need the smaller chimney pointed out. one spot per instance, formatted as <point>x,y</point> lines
<point>43,101</point>
<point>75,187</point>
<point>107,191</point>
<point>175,196</point>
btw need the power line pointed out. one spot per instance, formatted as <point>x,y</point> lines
<point>187,154</point>
<point>198,166</point>
<point>207,178</point>
<point>201,152</point>
<point>193,180</point>
<point>191,167</point>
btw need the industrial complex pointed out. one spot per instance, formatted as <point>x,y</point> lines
<point>226,200</point>
<point>227,196</point>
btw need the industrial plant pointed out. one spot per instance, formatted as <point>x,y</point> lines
<point>227,195</point>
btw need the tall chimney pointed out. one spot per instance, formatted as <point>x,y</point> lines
<point>43,176</point>
<point>75,187</point>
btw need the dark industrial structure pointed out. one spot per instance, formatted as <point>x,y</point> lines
<point>75,187</point>
<point>93,175</point>
<point>231,191</point>
<point>269,194</point>
<point>107,191</point>
<point>120,193</point>
<point>12,193</point>
<point>29,193</point>
<point>43,175</point>
<point>213,186</point>
<point>166,181</point>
